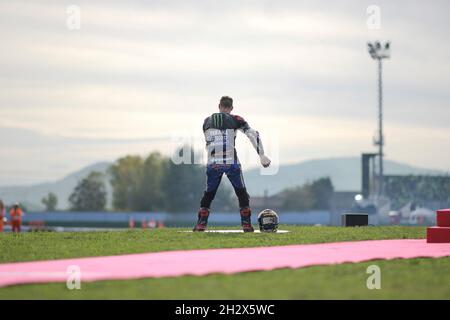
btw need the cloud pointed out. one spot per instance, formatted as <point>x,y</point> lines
<point>137,70</point>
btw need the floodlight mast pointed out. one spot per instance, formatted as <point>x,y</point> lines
<point>379,52</point>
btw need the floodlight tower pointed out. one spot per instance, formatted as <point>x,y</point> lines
<point>379,52</point>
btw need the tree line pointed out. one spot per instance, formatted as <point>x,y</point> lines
<point>154,183</point>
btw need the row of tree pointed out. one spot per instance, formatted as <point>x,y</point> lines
<point>153,183</point>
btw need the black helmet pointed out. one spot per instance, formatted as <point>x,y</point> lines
<point>268,221</point>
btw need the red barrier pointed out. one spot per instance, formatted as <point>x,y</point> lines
<point>440,233</point>
<point>443,218</point>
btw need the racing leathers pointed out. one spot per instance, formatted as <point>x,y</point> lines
<point>220,134</point>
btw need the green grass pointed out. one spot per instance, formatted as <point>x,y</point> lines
<point>401,279</point>
<point>53,245</point>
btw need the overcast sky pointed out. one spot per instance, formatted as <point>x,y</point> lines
<point>136,72</point>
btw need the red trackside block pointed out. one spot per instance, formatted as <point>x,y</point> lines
<point>443,218</point>
<point>438,234</point>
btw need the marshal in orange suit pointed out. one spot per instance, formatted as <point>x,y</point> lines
<point>16,217</point>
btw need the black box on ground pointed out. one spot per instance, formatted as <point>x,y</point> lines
<point>355,219</point>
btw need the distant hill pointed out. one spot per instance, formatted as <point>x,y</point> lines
<point>345,174</point>
<point>31,196</point>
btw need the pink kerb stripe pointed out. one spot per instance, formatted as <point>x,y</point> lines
<point>228,261</point>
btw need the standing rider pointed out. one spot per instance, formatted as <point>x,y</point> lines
<point>220,134</point>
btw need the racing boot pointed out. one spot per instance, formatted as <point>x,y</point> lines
<point>202,221</point>
<point>246,221</point>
